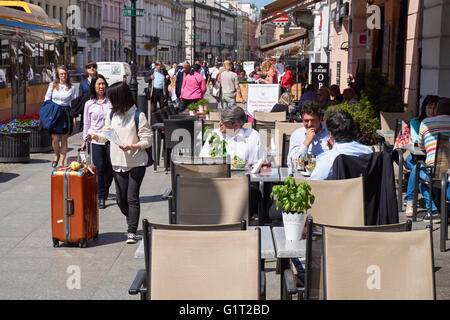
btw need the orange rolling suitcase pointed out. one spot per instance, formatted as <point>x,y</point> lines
<point>74,205</point>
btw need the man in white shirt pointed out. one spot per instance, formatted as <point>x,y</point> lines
<point>342,131</point>
<point>245,143</point>
<point>312,137</point>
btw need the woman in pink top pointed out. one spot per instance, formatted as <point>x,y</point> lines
<point>193,88</point>
<point>95,112</point>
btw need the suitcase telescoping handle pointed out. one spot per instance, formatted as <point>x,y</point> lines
<point>89,165</point>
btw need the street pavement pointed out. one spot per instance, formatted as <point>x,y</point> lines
<point>30,268</point>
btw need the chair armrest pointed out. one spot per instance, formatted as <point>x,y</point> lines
<point>138,283</point>
<point>263,285</point>
<point>290,283</point>
<point>167,194</point>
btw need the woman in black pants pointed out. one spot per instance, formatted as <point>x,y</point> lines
<point>96,110</point>
<point>128,157</point>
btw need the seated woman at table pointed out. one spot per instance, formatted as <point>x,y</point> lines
<point>429,109</point>
<point>312,138</point>
<point>245,143</point>
<point>342,131</point>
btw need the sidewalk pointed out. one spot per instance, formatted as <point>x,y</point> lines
<point>30,268</point>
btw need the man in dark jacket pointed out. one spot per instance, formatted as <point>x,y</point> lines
<point>180,77</point>
<point>158,83</point>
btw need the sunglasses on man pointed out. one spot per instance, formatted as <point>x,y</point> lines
<point>91,67</point>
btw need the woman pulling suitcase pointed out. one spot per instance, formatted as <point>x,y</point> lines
<point>128,159</point>
<point>96,111</point>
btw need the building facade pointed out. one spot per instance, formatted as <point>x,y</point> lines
<point>112,31</point>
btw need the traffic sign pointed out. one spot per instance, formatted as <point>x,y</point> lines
<point>195,36</point>
<point>133,12</point>
<point>220,44</point>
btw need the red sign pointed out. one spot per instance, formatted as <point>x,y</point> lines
<point>281,18</point>
<point>362,39</point>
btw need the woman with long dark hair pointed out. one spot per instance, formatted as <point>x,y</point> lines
<point>61,92</point>
<point>96,111</point>
<point>128,158</point>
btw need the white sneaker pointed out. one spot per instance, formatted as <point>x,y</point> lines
<point>131,238</point>
<point>409,209</point>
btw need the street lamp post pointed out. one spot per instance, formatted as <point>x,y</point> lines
<point>133,81</point>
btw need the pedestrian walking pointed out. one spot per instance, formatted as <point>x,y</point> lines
<point>287,80</point>
<point>230,86</point>
<point>129,159</point>
<point>158,87</point>
<point>91,69</point>
<point>193,88</point>
<point>61,92</point>
<point>96,111</point>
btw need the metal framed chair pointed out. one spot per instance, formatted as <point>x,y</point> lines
<point>440,167</point>
<point>218,265</point>
<point>391,122</point>
<point>313,286</point>
<point>183,136</point>
<point>264,123</point>
<point>283,132</point>
<point>199,167</point>
<point>211,200</point>
<point>361,265</point>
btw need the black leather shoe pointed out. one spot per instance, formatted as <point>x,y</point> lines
<point>101,204</point>
<point>54,164</point>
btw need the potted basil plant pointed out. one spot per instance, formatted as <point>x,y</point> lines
<point>295,199</point>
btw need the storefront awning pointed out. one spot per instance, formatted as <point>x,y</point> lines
<point>286,41</point>
<point>272,10</point>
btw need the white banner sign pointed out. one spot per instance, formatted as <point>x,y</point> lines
<point>249,66</point>
<point>262,97</point>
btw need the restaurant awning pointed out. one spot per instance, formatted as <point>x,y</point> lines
<point>273,10</point>
<point>286,41</point>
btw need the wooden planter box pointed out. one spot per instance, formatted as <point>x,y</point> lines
<point>40,140</point>
<point>15,147</point>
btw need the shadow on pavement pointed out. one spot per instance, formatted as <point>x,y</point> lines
<point>39,161</point>
<point>6,176</point>
<point>148,199</point>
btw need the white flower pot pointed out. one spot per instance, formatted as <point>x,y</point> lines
<point>200,109</point>
<point>293,225</point>
<point>191,113</point>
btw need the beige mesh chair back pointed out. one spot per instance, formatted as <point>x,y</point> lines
<point>270,116</point>
<point>441,162</point>
<point>212,200</point>
<point>283,132</point>
<point>314,252</point>
<point>215,265</point>
<point>214,116</point>
<point>247,125</point>
<point>337,202</point>
<point>361,265</point>
<point>392,121</point>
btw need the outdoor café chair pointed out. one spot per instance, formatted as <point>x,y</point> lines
<point>361,265</point>
<point>211,200</point>
<point>247,125</point>
<point>200,265</point>
<point>444,210</point>
<point>380,198</point>
<point>182,136</point>
<point>435,172</point>
<point>391,121</point>
<point>313,286</point>
<point>266,121</point>
<point>200,167</point>
<point>337,202</point>
<point>283,132</point>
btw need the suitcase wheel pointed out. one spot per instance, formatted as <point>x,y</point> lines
<point>82,243</point>
<point>96,237</point>
<point>55,242</point>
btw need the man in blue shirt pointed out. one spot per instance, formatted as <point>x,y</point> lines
<point>158,86</point>
<point>312,138</point>
<point>342,131</point>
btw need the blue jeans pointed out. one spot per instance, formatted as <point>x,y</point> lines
<point>423,189</point>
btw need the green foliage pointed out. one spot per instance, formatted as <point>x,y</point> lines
<point>382,95</point>
<point>193,106</point>
<point>366,119</point>
<point>203,102</point>
<point>293,197</point>
<point>217,146</point>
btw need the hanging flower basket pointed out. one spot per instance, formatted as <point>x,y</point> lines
<point>14,144</point>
